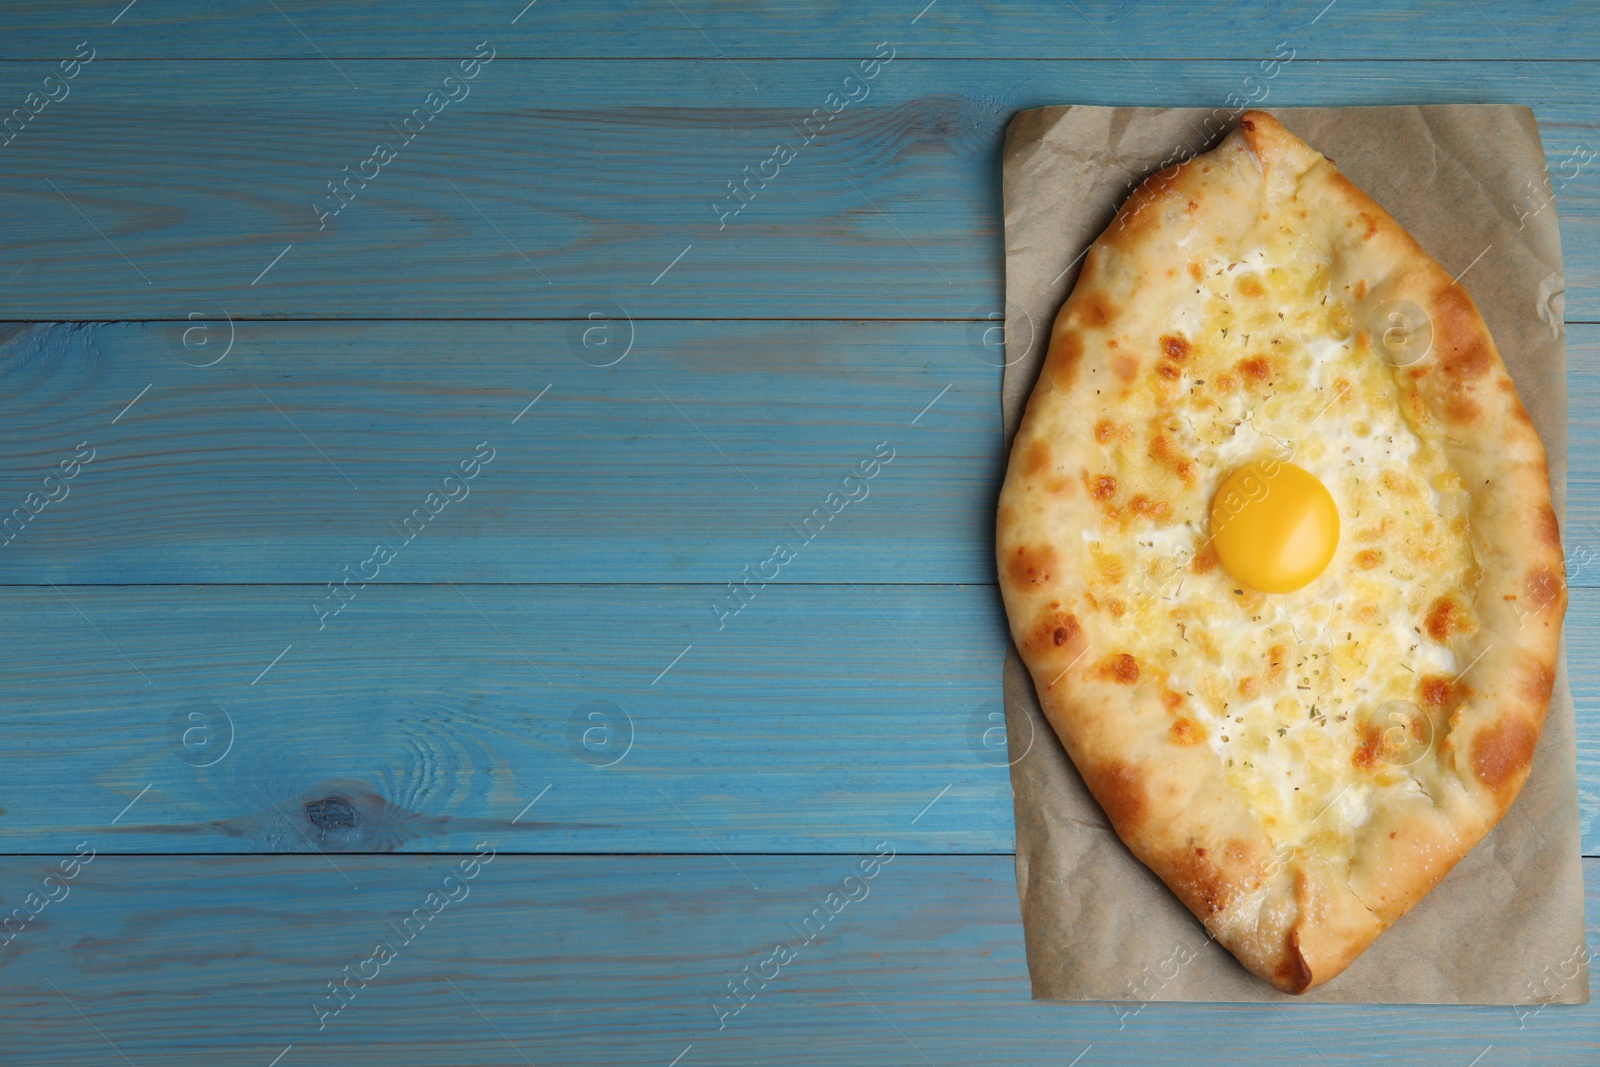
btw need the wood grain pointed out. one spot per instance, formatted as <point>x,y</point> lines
<point>579,181</point>
<point>1020,29</point>
<point>225,717</point>
<point>632,473</point>
<point>687,461</point>
<point>423,717</point>
<point>607,960</point>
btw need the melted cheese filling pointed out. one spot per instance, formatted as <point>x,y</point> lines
<point>1263,358</point>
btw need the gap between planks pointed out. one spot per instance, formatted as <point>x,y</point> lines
<point>1124,60</point>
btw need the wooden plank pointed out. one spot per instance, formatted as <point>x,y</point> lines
<point>421,718</point>
<point>557,184</point>
<point>607,960</point>
<point>1023,29</point>
<point>686,461</point>
<point>1582,637</point>
<point>1582,533</point>
<point>632,473</point>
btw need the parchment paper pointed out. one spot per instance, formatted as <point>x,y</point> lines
<point>1506,926</point>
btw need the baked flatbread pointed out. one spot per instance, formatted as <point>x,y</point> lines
<point>1299,767</point>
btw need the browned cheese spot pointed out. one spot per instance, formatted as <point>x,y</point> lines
<point>1106,431</point>
<point>1093,309</point>
<point>1144,507</point>
<point>1256,369</point>
<point>1161,450</point>
<point>1031,566</point>
<point>1439,694</point>
<point>1103,486</point>
<point>1462,344</point>
<point>1185,731</point>
<point>1368,558</point>
<point>1036,459</point>
<point>1276,656</point>
<point>1175,348</point>
<point>1055,630</point>
<point>1503,751</point>
<point>1066,353</point>
<point>1121,668</point>
<point>1125,366</point>
<point>1251,287</point>
<point>1378,531</point>
<point>1446,618</point>
<point>1369,747</point>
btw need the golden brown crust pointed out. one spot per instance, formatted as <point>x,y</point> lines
<point>1295,914</point>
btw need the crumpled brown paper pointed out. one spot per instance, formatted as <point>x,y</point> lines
<point>1506,926</point>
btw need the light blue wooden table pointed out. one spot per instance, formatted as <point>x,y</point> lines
<point>528,351</point>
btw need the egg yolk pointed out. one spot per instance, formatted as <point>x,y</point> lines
<point>1274,525</point>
